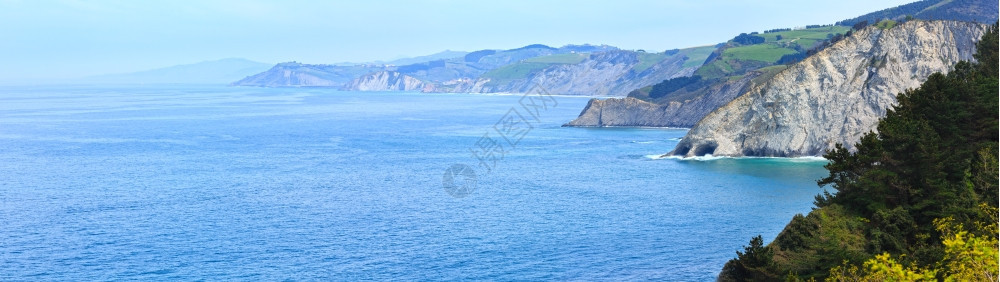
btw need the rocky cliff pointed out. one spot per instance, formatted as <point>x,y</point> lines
<point>306,75</point>
<point>611,73</point>
<point>437,72</point>
<point>635,112</point>
<point>834,96</point>
<point>387,81</point>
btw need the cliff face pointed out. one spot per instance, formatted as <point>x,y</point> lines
<point>834,96</point>
<point>437,73</point>
<point>305,75</point>
<point>569,70</point>
<point>386,81</point>
<point>612,73</point>
<point>634,112</point>
<point>626,111</point>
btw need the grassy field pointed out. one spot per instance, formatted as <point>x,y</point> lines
<point>524,68</point>
<point>736,60</point>
<point>886,24</point>
<point>519,70</point>
<point>515,70</point>
<point>811,33</point>
<point>803,37</point>
<point>766,52</point>
<point>772,49</point>
<point>647,60</point>
<point>715,69</point>
<point>697,55</point>
<point>573,58</point>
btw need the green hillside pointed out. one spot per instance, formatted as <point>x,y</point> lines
<point>697,55</point>
<point>571,58</point>
<point>805,38</point>
<point>528,66</point>
<point>515,71</point>
<point>735,58</point>
<point>767,52</point>
<point>520,70</point>
<point>886,24</point>
<point>647,60</point>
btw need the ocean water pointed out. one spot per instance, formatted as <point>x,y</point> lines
<point>229,183</point>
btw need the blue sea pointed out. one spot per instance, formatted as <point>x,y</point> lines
<point>233,183</point>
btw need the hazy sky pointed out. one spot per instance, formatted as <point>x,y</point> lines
<point>64,39</point>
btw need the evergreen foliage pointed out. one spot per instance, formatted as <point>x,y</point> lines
<point>748,39</point>
<point>859,25</point>
<point>982,11</point>
<point>671,85</point>
<point>755,263</point>
<point>916,194</point>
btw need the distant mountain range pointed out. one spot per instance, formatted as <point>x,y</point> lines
<point>209,72</point>
<point>443,55</point>
<point>225,71</point>
<point>594,70</point>
<point>434,70</point>
<point>446,54</point>
<point>723,72</point>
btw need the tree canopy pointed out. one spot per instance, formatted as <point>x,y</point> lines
<point>912,199</point>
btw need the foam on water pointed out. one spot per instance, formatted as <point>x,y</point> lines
<point>710,157</point>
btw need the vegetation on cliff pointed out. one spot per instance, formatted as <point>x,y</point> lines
<point>744,54</point>
<point>917,200</point>
<point>982,11</point>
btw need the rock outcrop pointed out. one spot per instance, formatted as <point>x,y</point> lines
<point>630,111</point>
<point>386,81</point>
<point>434,74</point>
<point>611,73</point>
<point>835,96</point>
<point>294,74</point>
<point>569,70</point>
<point>626,111</point>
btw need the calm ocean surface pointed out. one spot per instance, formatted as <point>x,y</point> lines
<point>184,182</point>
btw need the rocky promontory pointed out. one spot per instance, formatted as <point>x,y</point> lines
<point>835,96</point>
<point>387,81</point>
<point>630,111</point>
<point>611,73</point>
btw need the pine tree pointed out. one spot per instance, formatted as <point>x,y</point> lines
<point>932,158</point>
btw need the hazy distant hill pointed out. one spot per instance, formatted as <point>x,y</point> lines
<point>392,76</point>
<point>221,71</point>
<point>604,73</point>
<point>443,55</point>
<point>294,74</point>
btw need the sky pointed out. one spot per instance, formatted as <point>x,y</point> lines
<point>43,40</point>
